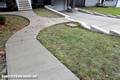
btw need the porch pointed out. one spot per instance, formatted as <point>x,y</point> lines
<point>59,5</point>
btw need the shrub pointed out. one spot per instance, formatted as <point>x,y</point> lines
<point>2,20</point>
<point>11,5</point>
<point>1,0</point>
<point>99,5</point>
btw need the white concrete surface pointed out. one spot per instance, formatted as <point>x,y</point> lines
<point>27,56</point>
<point>105,23</point>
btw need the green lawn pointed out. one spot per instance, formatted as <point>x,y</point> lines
<point>13,24</point>
<point>91,56</point>
<point>43,12</point>
<point>110,10</point>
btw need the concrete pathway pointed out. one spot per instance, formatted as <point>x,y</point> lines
<point>106,23</point>
<point>26,56</point>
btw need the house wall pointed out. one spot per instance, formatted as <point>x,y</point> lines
<point>80,3</point>
<point>110,3</point>
<point>60,5</point>
<point>91,2</point>
<point>118,4</point>
<point>106,2</point>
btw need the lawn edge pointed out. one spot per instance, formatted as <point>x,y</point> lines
<point>98,14</point>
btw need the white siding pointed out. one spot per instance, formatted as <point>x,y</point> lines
<point>91,2</point>
<point>110,3</point>
<point>118,3</point>
<point>60,5</point>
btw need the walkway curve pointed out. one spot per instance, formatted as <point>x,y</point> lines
<point>27,56</point>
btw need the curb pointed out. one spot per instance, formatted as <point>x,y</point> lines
<point>85,11</point>
<point>84,25</point>
<point>114,33</point>
<point>92,27</point>
<point>111,16</point>
<point>99,14</point>
<point>118,16</point>
<point>66,16</point>
<point>98,29</point>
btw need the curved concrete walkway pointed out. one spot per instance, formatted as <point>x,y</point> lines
<point>106,23</point>
<point>26,56</point>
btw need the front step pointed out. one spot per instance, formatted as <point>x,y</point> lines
<point>21,9</point>
<point>24,5</point>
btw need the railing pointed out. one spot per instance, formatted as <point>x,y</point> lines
<point>30,3</point>
<point>17,2</point>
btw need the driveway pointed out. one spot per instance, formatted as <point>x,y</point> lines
<point>106,23</point>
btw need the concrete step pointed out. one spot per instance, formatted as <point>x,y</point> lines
<point>23,2</point>
<point>24,5</point>
<point>24,8</point>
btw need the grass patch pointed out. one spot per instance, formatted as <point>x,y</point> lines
<point>43,12</point>
<point>91,56</point>
<point>12,24</point>
<point>110,10</point>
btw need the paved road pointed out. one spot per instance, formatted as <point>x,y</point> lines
<point>106,23</point>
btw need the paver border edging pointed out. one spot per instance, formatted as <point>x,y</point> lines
<point>99,14</point>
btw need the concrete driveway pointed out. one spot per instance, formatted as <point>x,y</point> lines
<point>106,23</point>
